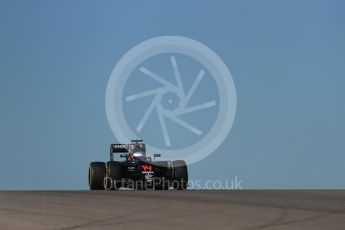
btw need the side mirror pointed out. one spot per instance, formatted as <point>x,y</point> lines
<point>156,155</point>
<point>123,155</point>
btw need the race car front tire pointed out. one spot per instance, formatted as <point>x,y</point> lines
<point>96,175</point>
<point>180,175</point>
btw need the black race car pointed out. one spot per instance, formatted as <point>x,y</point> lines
<point>137,171</point>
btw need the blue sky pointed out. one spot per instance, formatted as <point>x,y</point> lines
<point>286,57</point>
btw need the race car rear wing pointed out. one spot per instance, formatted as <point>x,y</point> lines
<point>119,148</point>
<point>126,148</point>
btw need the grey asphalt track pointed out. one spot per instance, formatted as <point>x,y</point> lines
<point>246,209</point>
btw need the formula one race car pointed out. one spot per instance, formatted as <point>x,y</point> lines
<point>137,171</point>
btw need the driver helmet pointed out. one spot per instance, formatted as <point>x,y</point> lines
<point>138,154</point>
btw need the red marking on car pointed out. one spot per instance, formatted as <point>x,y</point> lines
<point>146,167</point>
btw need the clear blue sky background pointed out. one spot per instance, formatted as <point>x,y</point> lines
<point>287,59</point>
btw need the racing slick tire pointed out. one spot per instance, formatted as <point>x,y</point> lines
<point>112,178</point>
<point>96,175</point>
<point>180,175</point>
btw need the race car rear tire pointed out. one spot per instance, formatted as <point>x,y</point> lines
<point>113,175</point>
<point>96,175</point>
<point>180,175</point>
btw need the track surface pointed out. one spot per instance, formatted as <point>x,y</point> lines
<point>265,209</point>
